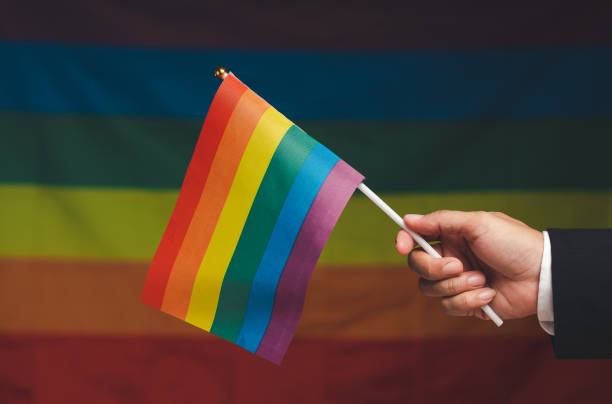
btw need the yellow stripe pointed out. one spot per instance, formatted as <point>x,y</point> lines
<point>365,235</point>
<point>127,224</point>
<point>88,223</point>
<point>207,286</point>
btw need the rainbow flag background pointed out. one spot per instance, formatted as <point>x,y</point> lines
<point>443,105</point>
<point>256,208</point>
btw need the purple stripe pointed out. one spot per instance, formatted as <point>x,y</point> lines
<point>291,290</point>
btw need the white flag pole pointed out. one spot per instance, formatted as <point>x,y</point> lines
<point>420,241</point>
<point>221,73</point>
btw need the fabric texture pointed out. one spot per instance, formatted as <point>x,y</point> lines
<point>258,191</point>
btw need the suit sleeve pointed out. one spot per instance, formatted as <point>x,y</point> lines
<point>582,292</point>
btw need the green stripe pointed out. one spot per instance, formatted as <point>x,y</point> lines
<point>126,225</point>
<point>284,167</point>
<point>93,151</point>
<point>395,157</point>
<point>474,155</point>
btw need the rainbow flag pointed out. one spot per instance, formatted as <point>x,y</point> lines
<point>97,128</point>
<point>257,205</point>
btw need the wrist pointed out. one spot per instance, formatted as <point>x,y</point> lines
<point>531,279</point>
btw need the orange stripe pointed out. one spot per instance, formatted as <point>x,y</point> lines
<point>224,103</point>
<point>102,299</point>
<point>241,125</point>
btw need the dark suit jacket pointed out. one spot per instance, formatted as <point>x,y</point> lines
<point>582,292</point>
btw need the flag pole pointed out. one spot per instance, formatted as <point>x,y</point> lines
<point>420,240</point>
<point>221,73</point>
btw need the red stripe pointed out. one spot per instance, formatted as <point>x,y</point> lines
<point>182,370</point>
<point>223,104</point>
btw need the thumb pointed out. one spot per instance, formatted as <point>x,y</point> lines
<point>446,222</point>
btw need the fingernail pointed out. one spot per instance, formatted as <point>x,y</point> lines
<point>451,268</point>
<point>475,280</point>
<point>487,295</point>
<point>412,216</point>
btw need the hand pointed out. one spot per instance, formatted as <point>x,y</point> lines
<point>477,248</point>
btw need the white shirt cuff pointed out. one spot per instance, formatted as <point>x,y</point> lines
<point>546,316</point>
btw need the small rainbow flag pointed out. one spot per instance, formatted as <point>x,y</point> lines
<point>256,208</point>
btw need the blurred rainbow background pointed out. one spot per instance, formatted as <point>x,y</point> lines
<point>441,105</point>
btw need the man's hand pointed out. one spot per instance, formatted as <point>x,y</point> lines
<point>478,248</point>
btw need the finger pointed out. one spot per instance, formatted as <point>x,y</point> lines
<point>465,303</point>
<point>404,243</point>
<point>432,268</point>
<point>478,313</point>
<point>464,282</point>
<point>447,222</point>
<point>438,248</point>
<point>412,217</point>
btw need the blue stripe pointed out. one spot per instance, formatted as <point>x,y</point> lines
<point>309,180</point>
<point>309,85</point>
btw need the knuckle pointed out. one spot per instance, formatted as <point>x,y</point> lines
<point>429,270</point>
<point>409,258</point>
<point>480,222</point>
<point>452,286</point>
<point>500,216</point>
<point>446,305</point>
<point>481,216</point>
<point>411,262</point>
<point>422,286</point>
<point>418,262</point>
<point>442,212</point>
<point>426,288</point>
<point>465,300</point>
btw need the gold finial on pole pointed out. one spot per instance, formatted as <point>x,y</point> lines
<point>221,72</point>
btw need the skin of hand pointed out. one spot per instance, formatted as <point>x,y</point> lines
<point>478,248</point>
